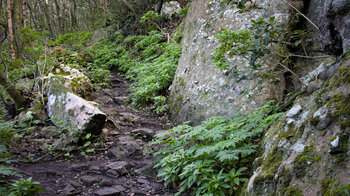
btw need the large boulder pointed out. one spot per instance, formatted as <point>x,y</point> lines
<point>200,90</point>
<point>71,78</point>
<point>71,110</point>
<point>75,80</point>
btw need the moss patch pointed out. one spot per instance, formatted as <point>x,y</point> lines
<point>270,165</point>
<point>305,159</point>
<point>292,191</point>
<point>342,106</point>
<point>326,188</point>
<point>342,77</point>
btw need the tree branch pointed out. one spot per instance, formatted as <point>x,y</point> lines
<point>313,24</point>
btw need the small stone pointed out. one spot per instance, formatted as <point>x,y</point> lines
<point>68,189</point>
<point>79,167</point>
<point>120,166</point>
<point>337,145</point>
<point>110,191</point>
<point>89,180</point>
<point>157,186</point>
<point>323,124</point>
<point>112,173</point>
<point>294,111</point>
<point>95,169</point>
<point>335,142</point>
<point>104,100</point>
<point>118,152</point>
<point>120,100</point>
<point>75,184</point>
<point>314,85</point>
<point>146,170</point>
<point>143,133</point>
<point>290,121</point>
<point>324,119</point>
<point>137,192</point>
<point>106,183</point>
<point>298,147</point>
<point>109,92</point>
<point>142,181</point>
<point>321,113</point>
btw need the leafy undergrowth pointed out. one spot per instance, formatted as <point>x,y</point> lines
<point>74,41</point>
<point>21,186</point>
<point>212,158</point>
<point>146,60</point>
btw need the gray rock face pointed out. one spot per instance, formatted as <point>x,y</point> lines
<point>315,148</point>
<point>73,111</point>
<point>294,111</point>
<point>200,90</point>
<point>334,24</point>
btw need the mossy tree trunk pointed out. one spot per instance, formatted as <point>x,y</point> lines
<point>12,91</point>
<point>10,28</point>
<point>18,25</point>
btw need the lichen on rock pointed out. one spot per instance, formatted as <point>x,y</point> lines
<point>71,110</point>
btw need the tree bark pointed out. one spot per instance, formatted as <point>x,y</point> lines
<point>60,25</point>
<point>10,27</point>
<point>18,25</point>
<point>24,13</point>
<point>12,91</point>
<point>130,7</point>
<point>3,21</point>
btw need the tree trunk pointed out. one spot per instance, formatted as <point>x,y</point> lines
<point>12,91</point>
<point>10,27</point>
<point>3,21</point>
<point>18,25</point>
<point>130,7</point>
<point>60,25</point>
<point>24,13</point>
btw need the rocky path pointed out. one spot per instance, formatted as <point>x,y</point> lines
<point>119,167</point>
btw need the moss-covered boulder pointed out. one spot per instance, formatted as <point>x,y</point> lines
<point>74,80</point>
<point>66,109</point>
<point>71,78</point>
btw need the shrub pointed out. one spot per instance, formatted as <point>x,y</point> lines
<point>74,41</point>
<point>145,59</point>
<point>25,187</point>
<point>209,159</point>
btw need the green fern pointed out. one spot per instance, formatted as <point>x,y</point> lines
<point>207,158</point>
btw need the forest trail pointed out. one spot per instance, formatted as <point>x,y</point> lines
<point>120,167</point>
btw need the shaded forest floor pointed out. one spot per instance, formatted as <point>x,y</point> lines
<point>119,167</point>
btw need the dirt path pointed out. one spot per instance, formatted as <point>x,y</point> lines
<point>118,168</point>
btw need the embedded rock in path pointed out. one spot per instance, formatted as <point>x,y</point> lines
<point>143,133</point>
<point>122,167</point>
<point>89,180</point>
<point>72,111</point>
<point>110,191</point>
